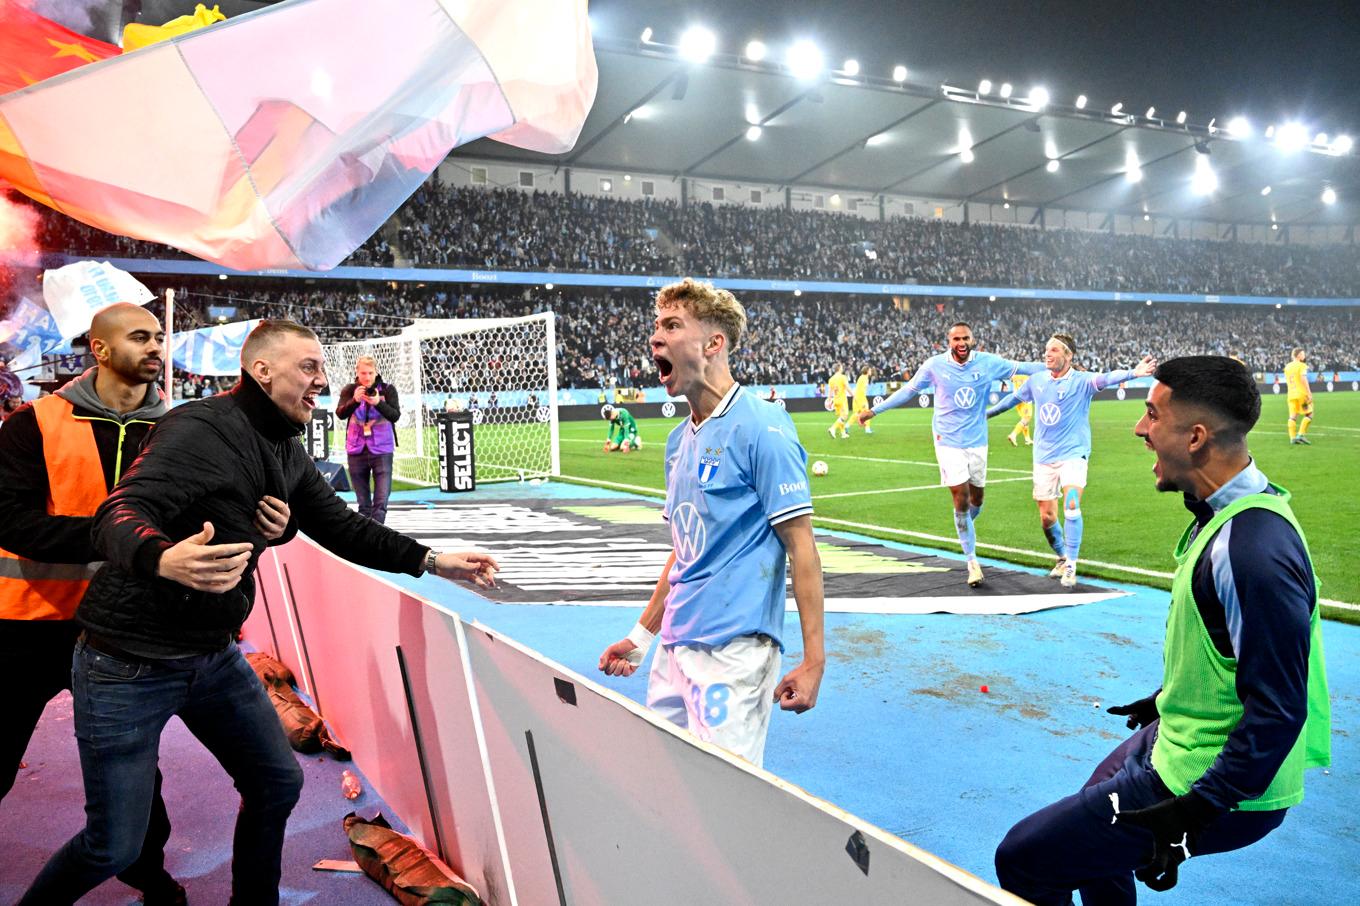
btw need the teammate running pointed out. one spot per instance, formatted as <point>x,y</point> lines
<point>1063,442</point>
<point>962,379</point>
<point>623,430</point>
<point>1300,397</point>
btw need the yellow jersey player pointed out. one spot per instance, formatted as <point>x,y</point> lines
<point>861,400</point>
<point>1300,397</point>
<point>1025,411</point>
<point>838,389</point>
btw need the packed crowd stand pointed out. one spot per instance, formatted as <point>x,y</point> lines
<point>602,335</point>
<point>444,226</point>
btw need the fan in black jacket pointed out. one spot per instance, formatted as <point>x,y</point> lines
<point>161,616</point>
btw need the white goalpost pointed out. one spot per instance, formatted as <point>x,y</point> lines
<point>502,370</point>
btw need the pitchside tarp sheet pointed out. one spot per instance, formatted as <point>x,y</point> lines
<point>609,552</point>
<point>542,787</point>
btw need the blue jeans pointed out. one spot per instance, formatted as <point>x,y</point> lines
<point>121,707</point>
<point>379,466</point>
<point>1073,845</point>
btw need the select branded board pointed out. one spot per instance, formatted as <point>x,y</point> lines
<point>602,802</point>
<point>457,452</point>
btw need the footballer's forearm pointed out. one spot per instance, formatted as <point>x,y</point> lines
<point>900,397</point>
<point>651,614</point>
<point>808,590</point>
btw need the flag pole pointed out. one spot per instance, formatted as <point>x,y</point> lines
<point>169,340</point>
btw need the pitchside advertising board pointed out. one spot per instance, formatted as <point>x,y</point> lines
<point>457,455</point>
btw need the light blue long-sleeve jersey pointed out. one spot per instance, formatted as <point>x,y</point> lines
<point>1062,411</point>
<point>961,394</point>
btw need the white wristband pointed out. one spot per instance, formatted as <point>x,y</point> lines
<point>640,637</point>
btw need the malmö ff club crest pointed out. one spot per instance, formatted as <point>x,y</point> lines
<point>708,463</point>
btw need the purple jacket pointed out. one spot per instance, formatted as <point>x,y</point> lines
<point>380,436</point>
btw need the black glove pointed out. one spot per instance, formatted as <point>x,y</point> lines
<point>1139,713</point>
<point>1175,824</point>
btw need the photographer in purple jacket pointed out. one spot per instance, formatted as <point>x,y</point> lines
<point>372,408</point>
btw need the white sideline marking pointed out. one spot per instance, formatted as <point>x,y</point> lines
<point>1117,567</point>
<point>980,604</point>
<point>918,487</point>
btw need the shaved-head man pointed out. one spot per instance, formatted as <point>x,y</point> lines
<point>182,537</point>
<point>59,458</point>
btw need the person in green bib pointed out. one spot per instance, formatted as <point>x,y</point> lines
<point>1219,752</point>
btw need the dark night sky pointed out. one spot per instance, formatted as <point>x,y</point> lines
<point>1267,61</point>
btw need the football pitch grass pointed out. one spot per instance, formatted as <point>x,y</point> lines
<point>886,485</point>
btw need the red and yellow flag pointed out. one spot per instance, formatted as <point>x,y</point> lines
<point>33,48</point>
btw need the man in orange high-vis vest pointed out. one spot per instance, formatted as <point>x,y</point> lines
<point>59,458</point>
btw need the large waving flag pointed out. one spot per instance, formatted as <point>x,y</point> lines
<point>137,35</point>
<point>286,137</point>
<point>213,350</point>
<point>26,334</point>
<point>33,48</point>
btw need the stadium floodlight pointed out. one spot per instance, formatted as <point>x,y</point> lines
<point>1342,144</point>
<point>1270,131</point>
<point>1329,195</point>
<point>1151,112</point>
<point>698,43</point>
<point>221,276</point>
<point>753,133</point>
<point>991,298</point>
<point>899,73</point>
<point>1180,118</point>
<point>965,138</point>
<point>1051,166</point>
<point>1081,102</point>
<point>1274,226</point>
<point>1149,301</point>
<point>755,51</point>
<point>1239,127</point>
<point>1147,217</point>
<point>647,35</point>
<point>1006,90</point>
<point>1279,305</point>
<point>985,86</point>
<point>1320,138</point>
<point>1205,180</point>
<point>547,286</point>
<point>1291,137</point>
<point>797,292</point>
<point>1133,173</point>
<point>1265,191</point>
<point>1117,109</point>
<point>878,139</point>
<point>804,60</point>
<point>628,177</point>
<point>850,67</point>
<point>1051,149</point>
<point>1006,205</point>
<point>966,155</point>
<point>752,114</point>
<point>1038,97</point>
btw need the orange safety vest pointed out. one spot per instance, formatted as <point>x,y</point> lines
<point>30,590</point>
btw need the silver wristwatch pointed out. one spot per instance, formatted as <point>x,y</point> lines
<point>430,557</point>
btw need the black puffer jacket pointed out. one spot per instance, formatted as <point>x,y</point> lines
<point>212,461</point>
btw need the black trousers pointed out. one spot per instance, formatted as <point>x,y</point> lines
<point>36,656</point>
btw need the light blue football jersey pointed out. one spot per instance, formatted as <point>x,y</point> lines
<point>961,394</point>
<point>1062,411</point>
<point>729,481</point>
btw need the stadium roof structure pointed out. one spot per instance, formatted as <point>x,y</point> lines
<point>658,113</point>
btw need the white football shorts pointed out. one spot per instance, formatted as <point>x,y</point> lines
<point>722,694</point>
<point>962,465</point>
<point>1051,477</point>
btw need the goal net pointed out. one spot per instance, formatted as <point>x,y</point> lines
<point>502,370</point>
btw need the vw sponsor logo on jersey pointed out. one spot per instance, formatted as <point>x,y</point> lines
<point>965,397</point>
<point>1049,414</point>
<point>688,533</point>
<point>708,464</point>
<point>668,409</point>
